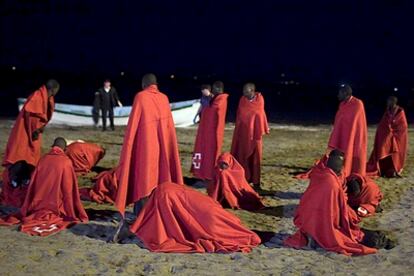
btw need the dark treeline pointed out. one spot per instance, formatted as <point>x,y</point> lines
<point>287,100</point>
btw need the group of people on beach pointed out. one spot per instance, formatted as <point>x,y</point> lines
<point>172,217</point>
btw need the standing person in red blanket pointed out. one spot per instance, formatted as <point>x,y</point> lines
<point>52,203</point>
<point>364,195</point>
<point>210,135</point>
<point>230,187</point>
<point>149,153</point>
<point>349,134</point>
<point>251,125</point>
<point>84,155</point>
<point>391,142</point>
<point>25,142</point>
<point>323,215</point>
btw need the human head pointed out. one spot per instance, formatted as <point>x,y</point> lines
<point>107,83</point>
<point>206,90</point>
<point>336,161</point>
<point>353,187</point>
<point>392,102</point>
<point>60,142</point>
<point>218,87</point>
<point>249,90</point>
<point>148,80</point>
<point>52,87</point>
<point>223,165</point>
<point>344,93</point>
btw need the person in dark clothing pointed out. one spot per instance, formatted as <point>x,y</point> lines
<point>106,98</point>
<point>206,97</point>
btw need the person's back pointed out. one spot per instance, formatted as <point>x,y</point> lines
<point>179,219</point>
<point>84,155</point>
<point>210,134</point>
<point>150,152</point>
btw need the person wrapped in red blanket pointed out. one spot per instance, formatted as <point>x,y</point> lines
<point>323,215</point>
<point>230,187</point>
<point>251,125</point>
<point>84,155</point>
<point>391,142</point>
<point>210,133</point>
<point>105,188</point>
<point>149,153</point>
<point>349,134</point>
<point>52,203</point>
<point>364,195</point>
<point>25,141</point>
<point>182,220</point>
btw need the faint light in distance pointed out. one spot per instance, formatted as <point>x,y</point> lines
<point>172,77</point>
<point>13,68</point>
<point>195,77</point>
<point>282,75</point>
<point>395,89</point>
<point>122,73</point>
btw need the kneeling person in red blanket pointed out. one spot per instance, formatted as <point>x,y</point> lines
<point>52,202</point>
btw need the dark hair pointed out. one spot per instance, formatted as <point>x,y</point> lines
<point>218,84</point>
<point>353,186</point>
<point>149,79</point>
<point>206,86</point>
<point>52,84</point>
<point>347,89</point>
<point>107,80</point>
<point>336,153</point>
<point>59,142</point>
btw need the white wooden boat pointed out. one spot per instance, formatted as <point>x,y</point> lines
<point>81,115</point>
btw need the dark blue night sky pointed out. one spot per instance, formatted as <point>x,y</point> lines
<point>319,43</point>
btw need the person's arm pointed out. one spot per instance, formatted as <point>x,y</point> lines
<point>197,114</point>
<point>116,98</point>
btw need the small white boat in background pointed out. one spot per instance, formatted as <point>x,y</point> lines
<point>81,115</point>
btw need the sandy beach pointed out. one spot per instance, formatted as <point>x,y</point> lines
<point>287,150</point>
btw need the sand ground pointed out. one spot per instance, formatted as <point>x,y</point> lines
<point>288,149</point>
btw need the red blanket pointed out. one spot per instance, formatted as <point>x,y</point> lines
<point>369,198</point>
<point>251,125</point>
<point>349,135</point>
<point>391,140</point>
<point>84,156</point>
<point>105,188</point>
<point>209,138</point>
<point>182,220</point>
<point>150,152</point>
<point>230,187</point>
<point>35,114</point>
<point>324,215</point>
<point>52,202</point>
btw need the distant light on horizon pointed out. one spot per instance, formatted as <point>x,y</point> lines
<point>395,89</point>
<point>282,75</point>
<point>122,73</point>
<point>195,77</point>
<point>172,77</point>
<point>13,68</point>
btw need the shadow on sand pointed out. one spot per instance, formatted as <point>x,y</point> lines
<point>287,195</point>
<point>281,211</point>
<point>102,225</point>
